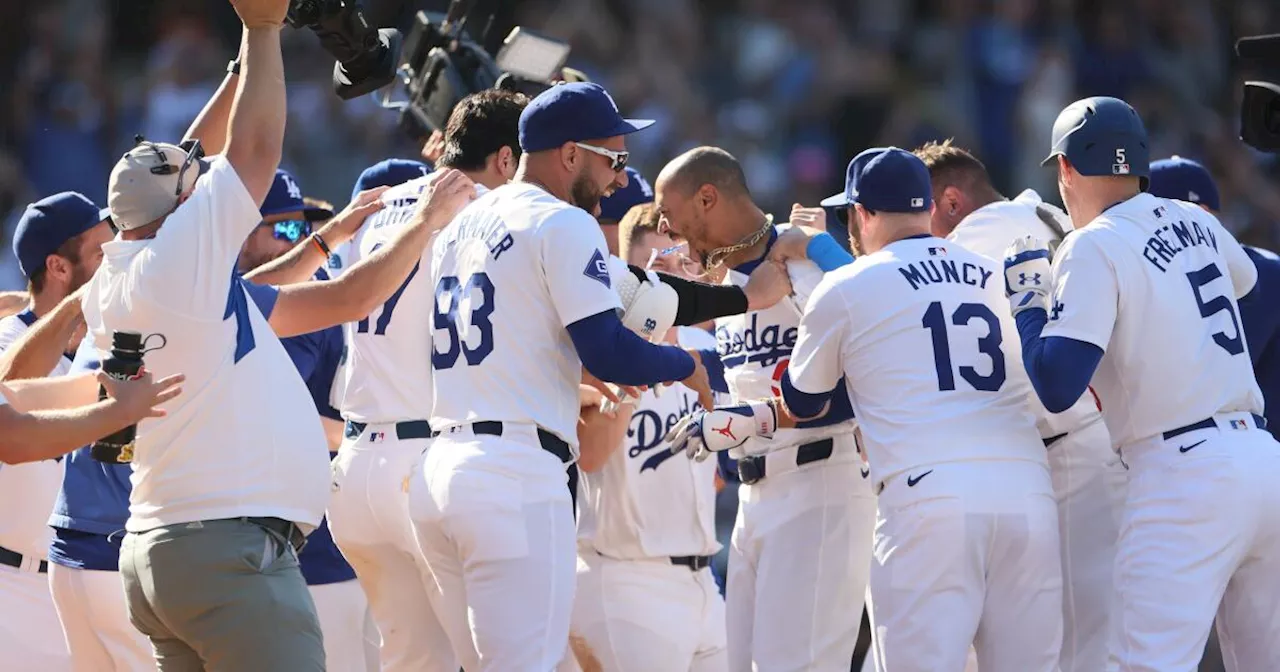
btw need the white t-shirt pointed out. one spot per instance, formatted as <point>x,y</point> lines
<point>29,490</point>
<point>515,268</point>
<point>242,438</point>
<point>755,348</point>
<point>1154,283</point>
<point>914,328</point>
<point>989,231</point>
<point>647,502</point>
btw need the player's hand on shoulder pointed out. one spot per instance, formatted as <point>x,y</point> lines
<point>445,196</point>
<point>768,284</point>
<point>140,397</point>
<point>1027,274</point>
<point>793,243</point>
<point>704,432</point>
<point>346,223</point>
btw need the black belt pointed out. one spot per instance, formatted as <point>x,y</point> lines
<point>405,431</point>
<point>695,563</point>
<point>549,442</point>
<point>287,530</point>
<point>1258,420</point>
<point>751,468</point>
<point>14,559</point>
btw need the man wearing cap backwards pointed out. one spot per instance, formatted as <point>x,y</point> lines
<point>1141,299</point>
<point>524,301</point>
<point>802,488</point>
<point>966,537</point>
<point>58,244</point>
<point>1187,180</point>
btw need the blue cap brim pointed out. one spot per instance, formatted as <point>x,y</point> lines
<point>627,126</point>
<point>835,201</point>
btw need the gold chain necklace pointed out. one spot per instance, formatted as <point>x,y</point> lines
<point>717,256</point>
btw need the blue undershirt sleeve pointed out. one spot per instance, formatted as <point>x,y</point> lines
<point>1060,368</point>
<point>824,251</point>
<point>615,354</point>
<point>715,370</point>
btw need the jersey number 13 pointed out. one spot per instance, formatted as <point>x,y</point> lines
<point>449,296</point>
<point>934,320</point>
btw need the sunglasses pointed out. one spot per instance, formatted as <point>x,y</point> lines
<point>618,160</point>
<point>291,230</point>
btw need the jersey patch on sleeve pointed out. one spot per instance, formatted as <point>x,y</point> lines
<point>597,269</point>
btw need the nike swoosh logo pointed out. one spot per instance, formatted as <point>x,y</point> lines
<point>1053,439</point>
<point>1184,449</point>
<point>912,480</point>
<point>865,472</point>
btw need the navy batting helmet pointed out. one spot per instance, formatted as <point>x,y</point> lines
<point>1102,136</point>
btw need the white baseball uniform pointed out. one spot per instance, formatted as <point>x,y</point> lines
<point>385,399</point>
<point>30,635</point>
<point>1088,479</point>
<point>789,610</point>
<point>646,599</point>
<point>1153,283</point>
<point>966,540</point>
<point>492,509</point>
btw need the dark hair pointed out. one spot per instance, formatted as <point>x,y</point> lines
<point>481,124</point>
<point>69,249</point>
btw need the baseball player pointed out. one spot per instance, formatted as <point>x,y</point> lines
<point>1141,299</point>
<point>386,173</point>
<point>1088,479</point>
<point>802,488</point>
<point>646,599</point>
<point>523,302</point>
<point>386,399</point>
<point>966,538</point>
<point>1186,180</point>
<point>58,244</point>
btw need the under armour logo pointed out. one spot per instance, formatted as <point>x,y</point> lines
<point>1022,279</point>
<point>1057,310</point>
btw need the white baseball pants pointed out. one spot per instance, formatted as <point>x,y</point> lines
<point>95,622</point>
<point>30,639</point>
<point>968,555</point>
<point>495,527</point>
<point>646,615</point>
<point>798,563</point>
<point>1200,534</point>
<point>369,518</point>
<point>351,639</point>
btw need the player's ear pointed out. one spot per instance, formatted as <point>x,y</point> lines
<point>707,197</point>
<point>950,200</point>
<point>504,162</point>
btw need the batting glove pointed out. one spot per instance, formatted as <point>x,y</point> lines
<point>1027,274</point>
<point>705,432</point>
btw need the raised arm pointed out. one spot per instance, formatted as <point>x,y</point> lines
<point>255,132</point>
<point>301,263</point>
<point>36,352</point>
<point>210,126</point>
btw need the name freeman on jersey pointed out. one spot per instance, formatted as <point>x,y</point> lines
<point>766,346</point>
<point>648,428</point>
<point>1159,249</point>
<point>488,227</point>
<point>944,270</point>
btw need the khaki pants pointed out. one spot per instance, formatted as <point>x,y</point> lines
<point>221,595</point>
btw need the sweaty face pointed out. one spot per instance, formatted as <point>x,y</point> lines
<point>679,216</point>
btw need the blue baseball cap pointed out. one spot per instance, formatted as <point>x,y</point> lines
<point>389,173</point>
<point>48,223</point>
<point>573,113</point>
<point>636,192</point>
<point>286,196</point>
<point>1185,180</point>
<point>885,179</point>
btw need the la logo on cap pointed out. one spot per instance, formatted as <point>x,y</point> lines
<point>917,202</point>
<point>294,190</point>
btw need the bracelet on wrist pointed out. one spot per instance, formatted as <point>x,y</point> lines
<point>318,241</point>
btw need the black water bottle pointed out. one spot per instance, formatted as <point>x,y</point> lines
<point>123,364</point>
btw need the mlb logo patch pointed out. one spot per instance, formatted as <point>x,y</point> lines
<point>597,269</point>
<point>917,202</point>
<point>1239,424</point>
<point>375,437</point>
<point>335,262</point>
<point>1119,169</point>
<point>936,251</point>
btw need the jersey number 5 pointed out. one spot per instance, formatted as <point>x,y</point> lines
<point>1200,278</point>
<point>988,345</point>
<point>450,294</point>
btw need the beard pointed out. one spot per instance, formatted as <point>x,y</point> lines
<point>79,276</point>
<point>585,193</point>
<point>855,233</point>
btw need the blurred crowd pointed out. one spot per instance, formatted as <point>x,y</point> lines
<point>792,88</point>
